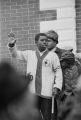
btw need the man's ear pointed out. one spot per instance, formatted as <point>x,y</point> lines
<point>36,42</point>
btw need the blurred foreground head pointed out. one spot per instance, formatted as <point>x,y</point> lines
<point>75,113</point>
<point>16,102</point>
<point>71,108</point>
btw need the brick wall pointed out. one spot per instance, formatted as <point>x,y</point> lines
<point>78,24</point>
<point>23,18</point>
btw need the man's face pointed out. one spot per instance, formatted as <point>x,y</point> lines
<point>42,43</point>
<point>51,44</point>
<point>64,64</point>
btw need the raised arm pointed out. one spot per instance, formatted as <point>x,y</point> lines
<point>15,53</point>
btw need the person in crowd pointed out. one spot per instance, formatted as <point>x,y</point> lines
<point>52,46</point>
<point>45,68</point>
<point>71,71</point>
<point>16,102</point>
<point>71,109</point>
<point>71,68</point>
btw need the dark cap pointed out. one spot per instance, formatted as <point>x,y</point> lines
<point>52,35</point>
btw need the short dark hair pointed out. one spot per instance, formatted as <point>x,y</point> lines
<point>38,35</point>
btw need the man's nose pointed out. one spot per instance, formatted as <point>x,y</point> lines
<point>45,41</point>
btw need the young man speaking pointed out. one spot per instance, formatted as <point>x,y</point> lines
<point>45,68</point>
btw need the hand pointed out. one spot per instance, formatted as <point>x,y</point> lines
<point>30,77</point>
<point>55,92</point>
<point>11,35</point>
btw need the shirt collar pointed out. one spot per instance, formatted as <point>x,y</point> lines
<point>41,53</point>
<point>54,49</point>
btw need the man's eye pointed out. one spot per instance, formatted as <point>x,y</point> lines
<point>44,40</point>
<point>49,40</point>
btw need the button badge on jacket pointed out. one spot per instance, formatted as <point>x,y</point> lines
<point>46,63</point>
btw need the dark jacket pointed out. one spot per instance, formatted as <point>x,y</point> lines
<point>60,51</point>
<point>71,70</point>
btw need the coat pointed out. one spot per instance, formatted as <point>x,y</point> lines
<point>51,69</point>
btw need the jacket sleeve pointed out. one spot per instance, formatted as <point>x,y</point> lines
<point>20,55</point>
<point>58,79</point>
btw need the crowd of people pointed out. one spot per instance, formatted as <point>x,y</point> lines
<point>52,72</point>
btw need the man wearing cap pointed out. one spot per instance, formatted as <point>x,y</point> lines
<point>45,68</point>
<point>67,58</point>
<point>53,41</point>
<point>67,61</point>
